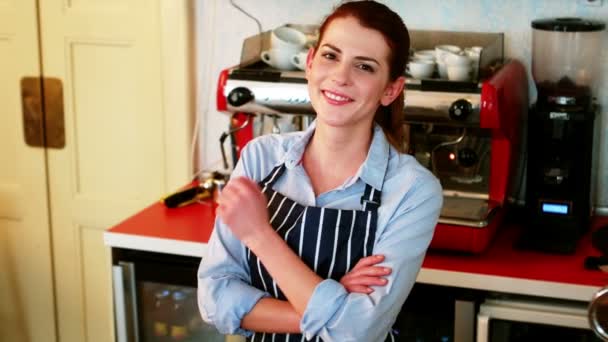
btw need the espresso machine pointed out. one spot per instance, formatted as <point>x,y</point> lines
<point>468,135</point>
<point>465,132</point>
<point>471,145</point>
<point>565,64</point>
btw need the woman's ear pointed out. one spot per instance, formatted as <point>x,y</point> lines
<point>392,90</point>
<point>309,57</point>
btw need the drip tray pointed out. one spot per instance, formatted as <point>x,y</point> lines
<point>473,212</point>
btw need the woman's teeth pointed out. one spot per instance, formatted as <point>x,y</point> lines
<point>335,97</point>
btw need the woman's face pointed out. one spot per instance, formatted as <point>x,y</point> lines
<point>348,76</point>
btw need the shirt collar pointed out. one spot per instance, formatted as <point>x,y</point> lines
<point>374,167</point>
<point>296,151</point>
<point>376,163</point>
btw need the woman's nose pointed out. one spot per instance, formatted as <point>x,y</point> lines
<point>341,74</point>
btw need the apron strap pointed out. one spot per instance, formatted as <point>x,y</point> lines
<point>272,177</point>
<point>371,198</point>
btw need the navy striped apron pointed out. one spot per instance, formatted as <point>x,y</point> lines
<point>330,241</point>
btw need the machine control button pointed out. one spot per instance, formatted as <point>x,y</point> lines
<point>460,109</point>
<point>239,96</point>
<point>467,157</point>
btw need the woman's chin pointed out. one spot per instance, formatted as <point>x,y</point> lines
<point>333,120</point>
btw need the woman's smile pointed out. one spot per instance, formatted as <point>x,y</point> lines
<point>336,98</point>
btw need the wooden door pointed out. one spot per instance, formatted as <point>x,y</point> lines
<point>26,281</point>
<point>125,68</point>
<point>108,55</point>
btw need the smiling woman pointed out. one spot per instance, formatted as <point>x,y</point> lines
<point>321,233</point>
<point>348,76</point>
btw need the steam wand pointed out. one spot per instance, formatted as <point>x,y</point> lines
<point>443,144</point>
<point>228,133</point>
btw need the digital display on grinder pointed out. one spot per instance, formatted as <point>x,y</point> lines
<point>555,208</point>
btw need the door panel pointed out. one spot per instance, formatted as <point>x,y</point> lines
<point>107,69</point>
<point>108,56</point>
<point>26,283</point>
<point>94,283</point>
<point>55,203</point>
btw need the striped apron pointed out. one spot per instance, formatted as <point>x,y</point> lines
<point>330,241</point>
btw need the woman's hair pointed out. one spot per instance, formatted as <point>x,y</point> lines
<point>378,17</point>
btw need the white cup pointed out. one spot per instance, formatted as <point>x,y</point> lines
<point>454,59</point>
<point>459,72</point>
<point>425,54</point>
<point>299,59</point>
<point>442,50</point>
<point>421,68</point>
<point>278,58</point>
<point>473,50</point>
<point>474,53</point>
<point>442,68</point>
<point>287,38</point>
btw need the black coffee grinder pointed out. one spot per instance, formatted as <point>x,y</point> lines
<point>565,63</point>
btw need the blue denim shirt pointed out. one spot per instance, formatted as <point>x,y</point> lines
<point>411,202</point>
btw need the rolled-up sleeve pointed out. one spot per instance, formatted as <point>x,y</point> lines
<point>225,295</point>
<point>336,315</point>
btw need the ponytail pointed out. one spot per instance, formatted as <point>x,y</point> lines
<point>390,118</point>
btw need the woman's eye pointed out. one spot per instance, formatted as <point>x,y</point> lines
<point>329,55</point>
<point>366,67</point>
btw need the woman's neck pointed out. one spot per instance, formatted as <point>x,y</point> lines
<point>333,155</point>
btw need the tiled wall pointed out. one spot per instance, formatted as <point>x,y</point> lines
<point>221,29</point>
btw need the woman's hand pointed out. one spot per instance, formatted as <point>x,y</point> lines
<point>365,274</point>
<point>242,207</point>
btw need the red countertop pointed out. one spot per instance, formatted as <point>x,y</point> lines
<point>501,267</point>
<point>193,223</point>
<point>502,259</point>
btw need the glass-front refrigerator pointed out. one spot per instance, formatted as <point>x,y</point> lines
<point>434,313</point>
<point>521,319</point>
<point>155,299</point>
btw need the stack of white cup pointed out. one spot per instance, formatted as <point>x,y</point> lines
<point>422,64</point>
<point>474,52</point>
<point>285,42</point>
<point>458,67</point>
<point>456,64</point>
<point>441,53</point>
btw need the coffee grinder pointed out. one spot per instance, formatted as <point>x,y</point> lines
<point>565,63</point>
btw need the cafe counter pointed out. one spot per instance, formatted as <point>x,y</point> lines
<point>185,231</point>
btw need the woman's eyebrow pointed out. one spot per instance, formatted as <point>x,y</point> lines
<point>363,58</point>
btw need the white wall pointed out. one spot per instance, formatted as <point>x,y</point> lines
<point>221,29</point>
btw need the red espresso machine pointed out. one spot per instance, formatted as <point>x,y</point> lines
<point>472,144</point>
<point>467,132</point>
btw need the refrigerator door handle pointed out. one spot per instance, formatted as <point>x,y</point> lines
<point>125,302</point>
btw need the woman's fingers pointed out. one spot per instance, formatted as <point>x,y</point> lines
<point>359,280</point>
<point>245,187</point>
<point>238,193</point>
<point>366,281</point>
<point>368,261</point>
<point>370,271</point>
<point>242,207</point>
<point>366,273</point>
<point>358,289</point>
